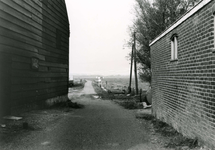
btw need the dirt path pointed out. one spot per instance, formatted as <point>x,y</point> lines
<point>100,125</point>
<point>88,89</point>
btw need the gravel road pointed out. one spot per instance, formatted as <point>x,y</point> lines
<point>100,125</point>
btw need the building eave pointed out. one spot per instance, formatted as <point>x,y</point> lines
<point>181,20</point>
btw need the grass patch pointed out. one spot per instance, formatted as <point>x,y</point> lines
<point>67,104</point>
<point>173,138</point>
<point>147,117</point>
<point>78,85</point>
<point>101,93</point>
<point>181,141</point>
<point>128,104</point>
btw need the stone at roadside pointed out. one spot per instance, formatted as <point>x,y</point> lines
<point>3,125</point>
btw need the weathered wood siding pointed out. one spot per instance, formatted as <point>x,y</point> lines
<point>34,34</point>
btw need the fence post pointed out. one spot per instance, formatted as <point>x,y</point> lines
<point>141,94</point>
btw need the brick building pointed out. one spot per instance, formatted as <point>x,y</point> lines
<point>183,73</point>
<point>34,52</point>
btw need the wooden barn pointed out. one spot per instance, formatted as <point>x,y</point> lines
<point>34,52</point>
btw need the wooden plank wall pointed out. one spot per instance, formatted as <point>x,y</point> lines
<point>5,73</point>
<point>36,35</point>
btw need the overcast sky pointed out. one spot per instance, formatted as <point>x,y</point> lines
<point>98,30</point>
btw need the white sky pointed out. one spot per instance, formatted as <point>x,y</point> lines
<point>98,30</point>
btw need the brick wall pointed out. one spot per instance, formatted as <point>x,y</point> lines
<point>184,90</point>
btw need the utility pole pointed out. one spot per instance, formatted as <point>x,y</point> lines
<point>135,64</point>
<point>129,87</point>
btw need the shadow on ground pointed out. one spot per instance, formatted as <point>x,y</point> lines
<point>166,135</point>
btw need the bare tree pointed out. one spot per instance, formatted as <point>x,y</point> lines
<point>150,20</point>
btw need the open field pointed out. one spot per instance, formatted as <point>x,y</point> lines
<point>118,83</point>
<point>122,83</point>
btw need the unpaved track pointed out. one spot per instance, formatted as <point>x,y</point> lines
<point>88,89</point>
<point>100,125</point>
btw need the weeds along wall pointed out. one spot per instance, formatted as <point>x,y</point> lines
<point>183,89</point>
<point>34,51</point>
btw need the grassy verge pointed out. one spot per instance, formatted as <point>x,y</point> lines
<point>101,93</point>
<point>128,102</point>
<point>78,86</point>
<point>66,104</point>
<point>171,138</point>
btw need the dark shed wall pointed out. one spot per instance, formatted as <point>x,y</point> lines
<point>183,91</point>
<point>35,33</point>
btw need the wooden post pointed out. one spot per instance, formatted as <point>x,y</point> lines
<point>129,87</point>
<point>135,64</point>
<point>141,91</point>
